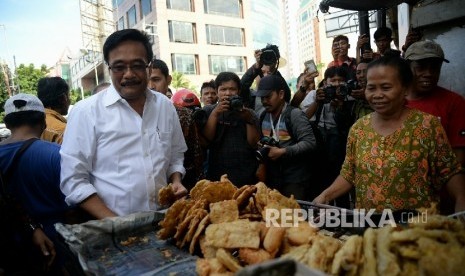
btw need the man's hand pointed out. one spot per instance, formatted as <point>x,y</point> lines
<point>363,39</point>
<point>247,115</point>
<point>257,55</point>
<point>320,95</point>
<point>45,246</point>
<point>179,189</point>
<point>321,199</point>
<point>412,37</point>
<point>358,94</point>
<point>275,153</point>
<point>223,105</point>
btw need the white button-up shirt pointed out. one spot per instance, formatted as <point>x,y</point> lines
<point>109,149</point>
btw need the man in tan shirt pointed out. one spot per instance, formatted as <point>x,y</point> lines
<point>54,94</point>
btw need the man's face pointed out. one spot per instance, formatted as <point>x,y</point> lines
<point>335,81</point>
<point>426,72</point>
<point>158,81</point>
<point>340,48</point>
<point>129,73</point>
<point>273,101</point>
<point>209,96</point>
<point>227,89</point>
<point>268,69</point>
<point>383,43</point>
<point>361,74</point>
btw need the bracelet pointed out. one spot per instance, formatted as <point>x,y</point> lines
<point>32,226</point>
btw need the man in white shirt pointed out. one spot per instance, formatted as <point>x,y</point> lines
<point>122,144</point>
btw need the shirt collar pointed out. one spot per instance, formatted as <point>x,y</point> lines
<point>55,114</point>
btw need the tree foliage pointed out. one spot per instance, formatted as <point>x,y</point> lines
<point>179,81</point>
<point>28,76</point>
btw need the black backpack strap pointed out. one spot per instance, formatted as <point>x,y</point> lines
<point>288,121</point>
<point>14,163</point>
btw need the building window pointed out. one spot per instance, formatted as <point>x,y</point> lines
<point>131,15</point>
<point>220,64</point>
<point>121,23</point>
<point>182,5</point>
<point>181,31</point>
<point>221,35</point>
<point>184,63</point>
<point>145,7</point>
<point>223,7</point>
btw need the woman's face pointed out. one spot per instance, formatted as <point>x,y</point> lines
<point>384,91</point>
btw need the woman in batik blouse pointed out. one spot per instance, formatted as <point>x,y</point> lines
<point>397,157</point>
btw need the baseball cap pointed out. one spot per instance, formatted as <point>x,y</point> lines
<point>23,102</point>
<point>424,49</point>
<point>269,84</point>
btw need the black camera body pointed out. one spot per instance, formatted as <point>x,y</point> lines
<point>344,90</point>
<point>262,154</point>
<point>236,103</point>
<point>269,55</point>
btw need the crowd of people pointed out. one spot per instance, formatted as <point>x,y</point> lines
<point>376,133</point>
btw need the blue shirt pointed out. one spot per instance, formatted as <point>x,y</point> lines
<point>36,181</point>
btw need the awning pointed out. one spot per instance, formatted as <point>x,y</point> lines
<point>361,5</point>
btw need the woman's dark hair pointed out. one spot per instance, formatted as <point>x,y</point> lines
<point>228,76</point>
<point>22,118</point>
<point>401,65</point>
<point>341,71</point>
<point>118,37</point>
<point>50,91</point>
<point>160,65</point>
<point>206,84</point>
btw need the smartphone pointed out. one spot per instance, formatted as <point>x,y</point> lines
<point>310,66</point>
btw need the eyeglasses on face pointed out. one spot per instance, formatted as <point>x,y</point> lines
<point>123,68</point>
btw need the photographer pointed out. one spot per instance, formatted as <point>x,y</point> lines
<point>287,141</point>
<point>231,133</point>
<point>361,106</point>
<point>332,107</point>
<point>266,63</point>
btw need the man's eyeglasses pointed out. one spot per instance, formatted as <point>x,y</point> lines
<point>122,68</point>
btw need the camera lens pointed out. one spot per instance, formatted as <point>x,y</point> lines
<point>262,154</point>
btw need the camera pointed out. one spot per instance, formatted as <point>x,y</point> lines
<point>344,90</point>
<point>236,103</point>
<point>269,55</point>
<point>262,154</point>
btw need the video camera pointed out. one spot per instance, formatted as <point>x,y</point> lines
<point>262,154</point>
<point>344,90</point>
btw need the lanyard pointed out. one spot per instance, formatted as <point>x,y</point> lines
<point>276,130</point>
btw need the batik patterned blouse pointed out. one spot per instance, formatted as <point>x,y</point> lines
<point>403,170</point>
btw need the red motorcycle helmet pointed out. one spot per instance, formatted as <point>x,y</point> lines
<point>185,98</point>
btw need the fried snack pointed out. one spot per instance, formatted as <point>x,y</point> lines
<point>254,256</point>
<point>263,231</point>
<point>224,211</point>
<point>439,222</point>
<point>224,178</point>
<point>243,198</point>
<point>302,234</point>
<point>439,258</point>
<point>284,202</point>
<point>261,196</point>
<point>201,227</point>
<point>208,251</point>
<point>193,226</point>
<point>322,252</point>
<point>236,234</point>
<point>348,257</point>
<point>169,223</point>
<point>196,191</point>
<point>414,234</point>
<point>239,191</point>
<point>129,241</point>
<point>369,253</point>
<point>409,268</point>
<point>218,191</point>
<point>228,260</point>
<point>298,253</point>
<point>166,195</point>
<point>387,261</point>
<point>184,225</point>
<point>205,267</point>
<point>273,239</point>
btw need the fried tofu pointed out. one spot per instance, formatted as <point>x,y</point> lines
<point>236,234</point>
<point>224,211</point>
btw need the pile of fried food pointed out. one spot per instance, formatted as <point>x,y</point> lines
<point>228,225</point>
